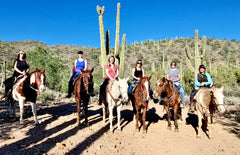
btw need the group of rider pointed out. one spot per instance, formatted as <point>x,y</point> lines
<point>202,79</point>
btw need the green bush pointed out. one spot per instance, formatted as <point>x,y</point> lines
<point>57,74</point>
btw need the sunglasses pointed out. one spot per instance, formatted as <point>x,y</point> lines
<point>173,64</point>
<point>139,63</point>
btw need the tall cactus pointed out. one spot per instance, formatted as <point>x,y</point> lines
<point>3,73</point>
<point>121,72</point>
<point>107,42</point>
<point>117,44</point>
<point>197,57</point>
<point>102,58</point>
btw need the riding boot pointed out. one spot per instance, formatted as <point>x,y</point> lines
<point>70,89</point>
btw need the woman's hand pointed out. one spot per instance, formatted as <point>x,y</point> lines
<point>203,84</point>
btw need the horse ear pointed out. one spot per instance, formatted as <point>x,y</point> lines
<point>92,69</point>
<point>163,79</point>
<point>81,70</point>
<point>149,77</point>
<point>36,69</point>
<point>222,88</point>
<point>43,70</point>
<point>158,78</point>
<point>140,76</point>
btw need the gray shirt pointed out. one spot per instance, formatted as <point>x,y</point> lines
<point>173,74</point>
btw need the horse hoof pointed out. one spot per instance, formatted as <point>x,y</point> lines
<point>144,131</point>
<point>198,136</point>
<point>169,128</point>
<point>36,123</point>
<point>119,129</point>
<point>136,130</point>
<point>176,130</point>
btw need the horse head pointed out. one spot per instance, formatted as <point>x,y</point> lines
<point>37,79</point>
<point>218,99</point>
<point>145,87</point>
<point>159,87</point>
<point>123,86</point>
<point>88,80</point>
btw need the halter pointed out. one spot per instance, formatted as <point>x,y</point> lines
<point>38,84</point>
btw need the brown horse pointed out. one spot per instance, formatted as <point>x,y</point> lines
<point>83,89</point>
<point>142,97</point>
<point>27,89</point>
<point>172,99</point>
<point>207,101</point>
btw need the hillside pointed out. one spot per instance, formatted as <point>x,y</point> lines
<point>221,51</point>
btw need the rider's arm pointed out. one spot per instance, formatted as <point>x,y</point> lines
<point>108,74</point>
<point>86,66</point>
<point>16,69</point>
<point>209,82</point>
<point>143,72</point>
<point>117,73</point>
<point>197,83</point>
<point>133,71</point>
<point>28,67</point>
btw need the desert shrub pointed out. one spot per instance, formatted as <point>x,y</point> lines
<point>57,74</point>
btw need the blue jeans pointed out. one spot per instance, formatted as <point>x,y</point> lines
<point>181,91</point>
<point>130,87</point>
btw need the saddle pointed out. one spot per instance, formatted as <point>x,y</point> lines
<point>134,86</point>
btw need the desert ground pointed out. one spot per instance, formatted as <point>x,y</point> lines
<point>59,134</point>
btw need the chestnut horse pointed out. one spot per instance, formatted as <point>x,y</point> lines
<point>141,96</point>
<point>172,98</point>
<point>207,101</point>
<point>83,89</point>
<point>27,89</point>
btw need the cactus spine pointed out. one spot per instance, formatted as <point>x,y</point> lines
<point>102,38</point>
<point>121,72</point>
<point>116,53</point>
<point>197,57</point>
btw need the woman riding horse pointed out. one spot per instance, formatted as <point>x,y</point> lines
<point>202,79</point>
<point>79,64</point>
<point>174,75</point>
<point>21,69</point>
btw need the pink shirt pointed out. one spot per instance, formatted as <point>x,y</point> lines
<point>111,71</point>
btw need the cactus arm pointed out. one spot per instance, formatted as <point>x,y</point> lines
<point>204,47</point>
<point>188,53</point>
<point>116,53</point>
<point>190,67</point>
<point>122,55</point>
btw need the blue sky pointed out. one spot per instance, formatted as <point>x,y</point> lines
<point>75,22</point>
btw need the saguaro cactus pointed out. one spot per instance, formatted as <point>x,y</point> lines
<point>121,72</point>
<point>197,57</point>
<point>102,38</point>
<point>3,73</point>
<point>107,42</point>
<point>116,53</point>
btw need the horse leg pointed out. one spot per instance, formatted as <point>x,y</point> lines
<point>104,112</point>
<point>78,110</point>
<point>209,127</point>
<point>144,119</point>
<point>137,118</point>
<point>168,116</point>
<point>21,106</point>
<point>11,108</point>
<point>175,117</point>
<point>85,108</point>
<point>199,123</point>
<point>33,105</point>
<point>119,116</point>
<point>110,107</point>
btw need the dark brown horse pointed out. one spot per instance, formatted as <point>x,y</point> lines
<point>26,89</point>
<point>172,99</point>
<point>142,97</point>
<point>83,89</point>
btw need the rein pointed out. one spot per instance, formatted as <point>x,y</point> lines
<point>115,100</point>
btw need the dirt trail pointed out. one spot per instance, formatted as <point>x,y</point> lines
<point>59,134</point>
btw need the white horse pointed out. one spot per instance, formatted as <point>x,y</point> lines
<point>27,89</point>
<point>117,94</point>
<point>207,101</point>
